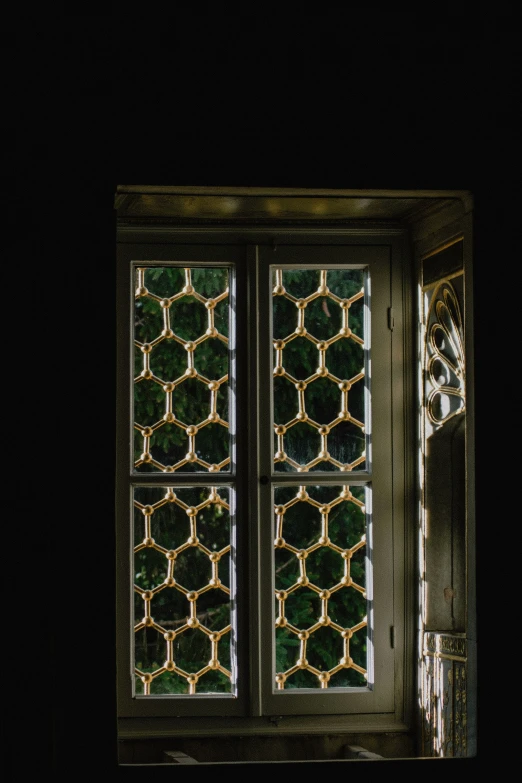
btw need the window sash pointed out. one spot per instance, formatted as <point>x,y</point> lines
<point>380,693</point>
<point>257,621</point>
<point>131,257</point>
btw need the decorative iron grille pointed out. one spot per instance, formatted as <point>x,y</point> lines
<point>182,558</point>
<point>316,428</point>
<point>182,369</point>
<point>320,591</point>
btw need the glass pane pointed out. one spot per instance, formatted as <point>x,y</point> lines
<point>181,370</point>
<point>320,581</point>
<point>182,590</point>
<point>319,374</point>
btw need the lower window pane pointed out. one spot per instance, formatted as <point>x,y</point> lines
<point>321,585</point>
<point>183,586</point>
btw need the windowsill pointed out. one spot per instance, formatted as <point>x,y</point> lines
<point>156,728</point>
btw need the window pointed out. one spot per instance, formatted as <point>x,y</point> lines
<point>295,550</point>
<point>261,531</point>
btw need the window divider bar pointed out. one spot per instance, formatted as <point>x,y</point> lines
<point>291,479</point>
<point>182,479</point>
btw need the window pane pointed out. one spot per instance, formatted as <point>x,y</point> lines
<point>319,369</point>
<point>183,590</point>
<point>320,580</point>
<point>181,369</point>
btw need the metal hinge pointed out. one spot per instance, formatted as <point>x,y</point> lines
<point>392,637</point>
<point>391,318</point>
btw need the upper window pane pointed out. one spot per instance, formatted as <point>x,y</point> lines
<point>181,369</point>
<point>319,377</point>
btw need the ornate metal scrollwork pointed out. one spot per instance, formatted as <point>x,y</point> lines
<point>444,364</point>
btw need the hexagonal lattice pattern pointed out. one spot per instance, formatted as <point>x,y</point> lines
<point>160,354</point>
<point>307,436</point>
<point>308,528</point>
<point>185,626</point>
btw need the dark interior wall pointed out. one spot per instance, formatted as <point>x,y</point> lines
<point>266,748</point>
<point>103,121</point>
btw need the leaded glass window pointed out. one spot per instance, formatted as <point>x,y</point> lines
<point>259,480</point>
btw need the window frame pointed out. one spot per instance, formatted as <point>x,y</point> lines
<point>157,243</point>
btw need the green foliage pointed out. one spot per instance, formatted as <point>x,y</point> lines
<point>189,320</point>
<point>170,528</point>
<point>192,653</point>
<point>344,359</point>
<point>324,569</point>
<point>170,525</point>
